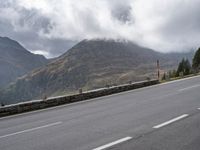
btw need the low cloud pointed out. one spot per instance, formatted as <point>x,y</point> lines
<point>54,26</point>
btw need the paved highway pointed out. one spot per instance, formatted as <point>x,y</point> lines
<point>163,117</point>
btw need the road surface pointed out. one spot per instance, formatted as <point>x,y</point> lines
<point>161,117</point>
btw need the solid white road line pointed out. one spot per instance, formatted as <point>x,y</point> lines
<point>29,130</point>
<point>190,87</point>
<point>198,108</point>
<point>170,121</point>
<point>113,143</point>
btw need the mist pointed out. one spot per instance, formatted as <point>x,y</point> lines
<point>52,27</point>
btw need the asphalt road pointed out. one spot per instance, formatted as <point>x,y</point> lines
<point>161,117</point>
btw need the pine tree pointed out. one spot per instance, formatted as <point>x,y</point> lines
<point>184,67</point>
<point>187,67</point>
<point>196,60</point>
<point>174,73</point>
<point>180,67</point>
<point>170,74</point>
<point>164,76</point>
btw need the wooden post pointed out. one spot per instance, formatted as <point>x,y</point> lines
<point>158,69</point>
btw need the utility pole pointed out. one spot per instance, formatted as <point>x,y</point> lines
<point>158,69</point>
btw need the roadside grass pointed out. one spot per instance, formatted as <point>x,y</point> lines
<point>178,78</point>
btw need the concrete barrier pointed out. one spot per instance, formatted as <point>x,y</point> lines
<point>55,101</point>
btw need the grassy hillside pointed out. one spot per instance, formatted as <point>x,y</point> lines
<point>90,64</point>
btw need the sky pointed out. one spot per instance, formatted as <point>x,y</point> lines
<point>51,27</point>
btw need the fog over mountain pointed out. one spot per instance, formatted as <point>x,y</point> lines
<point>90,64</point>
<point>52,27</point>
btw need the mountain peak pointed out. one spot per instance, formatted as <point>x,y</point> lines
<point>7,42</point>
<point>89,64</point>
<point>15,60</point>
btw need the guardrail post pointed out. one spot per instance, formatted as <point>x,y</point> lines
<point>44,97</point>
<point>80,91</point>
<point>107,86</point>
<point>2,104</point>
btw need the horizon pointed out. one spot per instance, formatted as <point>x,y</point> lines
<point>45,54</point>
<point>39,25</point>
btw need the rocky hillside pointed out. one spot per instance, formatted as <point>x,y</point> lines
<point>15,61</point>
<point>88,65</point>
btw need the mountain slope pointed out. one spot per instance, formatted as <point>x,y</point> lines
<point>15,61</point>
<point>88,65</point>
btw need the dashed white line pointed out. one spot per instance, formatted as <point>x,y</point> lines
<point>113,143</point>
<point>170,121</point>
<point>29,130</point>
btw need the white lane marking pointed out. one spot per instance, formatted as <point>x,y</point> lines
<point>113,143</point>
<point>29,130</point>
<point>190,87</point>
<point>198,108</point>
<point>170,121</point>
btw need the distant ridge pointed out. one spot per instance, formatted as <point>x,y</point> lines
<point>15,61</point>
<point>90,64</point>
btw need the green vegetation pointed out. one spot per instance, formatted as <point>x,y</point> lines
<point>185,68</point>
<point>196,61</point>
<point>164,76</point>
<point>89,65</point>
<point>172,74</point>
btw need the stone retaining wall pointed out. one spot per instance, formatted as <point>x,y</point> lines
<point>55,101</point>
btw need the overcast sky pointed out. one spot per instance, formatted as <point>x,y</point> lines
<point>50,27</point>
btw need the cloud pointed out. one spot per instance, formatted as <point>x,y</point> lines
<point>54,26</point>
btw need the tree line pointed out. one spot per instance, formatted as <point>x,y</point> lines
<point>185,68</point>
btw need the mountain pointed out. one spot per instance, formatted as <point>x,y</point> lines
<point>15,61</point>
<point>90,64</point>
